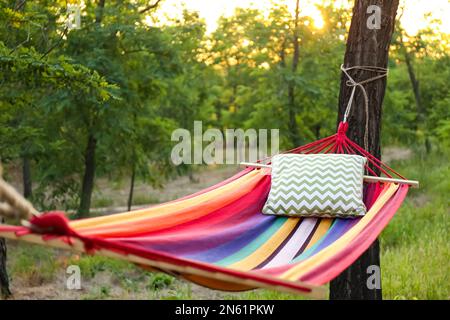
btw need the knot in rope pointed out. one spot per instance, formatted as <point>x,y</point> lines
<point>382,72</point>
<point>342,129</point>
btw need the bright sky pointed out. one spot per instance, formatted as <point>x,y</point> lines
<point>211,10</point>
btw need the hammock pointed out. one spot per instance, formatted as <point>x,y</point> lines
<point>219,238</point>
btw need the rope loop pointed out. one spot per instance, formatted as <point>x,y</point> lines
<point>382,72</point>
<point>342,128</point>
<point>12,203</point>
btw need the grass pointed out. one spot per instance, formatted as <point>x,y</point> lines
<point>415,247</point>
<point>91,265</point>
<point>34,265</point>
<point>415,252</point>
<point>416,244</point>
<point>101,293</point>
<point>159,281</point>
<point>264,295</point>
<point>140,199</point>
<point>102,202</point>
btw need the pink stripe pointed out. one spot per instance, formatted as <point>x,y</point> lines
<point>336,264</point>
<point>233,214</point>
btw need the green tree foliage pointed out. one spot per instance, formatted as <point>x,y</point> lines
<point>102,100</point>
<point>419,92</point>
<point>254,53</point>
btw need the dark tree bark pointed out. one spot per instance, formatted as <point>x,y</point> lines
<point>420,108</point>
<point>19,5</point>
<point>282,54</point>
<point>150,7</point>
<point>415,86</point>
<point>292,124</point>
<point>89,155</point>
<point>4,279</point>
<point>130,194</point>
<point>317,131</point>
<point>365,47</point>
<point>191,176</point>
<point>88,177</point>
<point>99,11</point>
<point>26,177</point>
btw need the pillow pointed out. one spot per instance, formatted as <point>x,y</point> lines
<point>318,185</point>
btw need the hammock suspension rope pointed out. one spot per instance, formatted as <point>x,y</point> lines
<point>383,72</point>
<point>219,238</point>
<point>12,203</point>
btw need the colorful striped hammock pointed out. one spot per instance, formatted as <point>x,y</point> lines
<point>219,238</point>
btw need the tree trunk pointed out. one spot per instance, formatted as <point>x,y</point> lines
<point>415,87</point>
<point>191,176</point>
<point>26,177</point>
<point>89,156</point>
<point>420,109</point>
<point>20,5</point>
<point>365,47</point>
<point>292,124</point>
<point>130,195</point>
<point>99,11</point>
<point>88,177</point>
<point>317,131</point>
<point>4,279</point>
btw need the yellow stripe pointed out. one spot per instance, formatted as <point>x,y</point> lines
<point>307,265</point>
<point>257,257</point>
<point>251,178</point>
<point>323,227</point>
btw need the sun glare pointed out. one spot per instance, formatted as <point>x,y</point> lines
<point>413,17</point>
<point>415,11</point>
<point>315,15</point>
<point>211,10</point>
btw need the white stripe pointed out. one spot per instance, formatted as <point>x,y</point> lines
<point>294,244</point>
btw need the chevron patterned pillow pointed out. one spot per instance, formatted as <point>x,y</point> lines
<point>319,185</point>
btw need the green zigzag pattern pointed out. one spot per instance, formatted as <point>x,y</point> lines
<point>316,185</point>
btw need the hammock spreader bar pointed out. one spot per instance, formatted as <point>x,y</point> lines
<point>219,238</point>
<point>413,183</point>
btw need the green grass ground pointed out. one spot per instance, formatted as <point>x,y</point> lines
<point>415,255</point>
<point>416,244</point>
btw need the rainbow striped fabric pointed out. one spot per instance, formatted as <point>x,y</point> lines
<point>223,229</point>
<point>219,237</point>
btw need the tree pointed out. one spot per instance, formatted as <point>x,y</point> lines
<point>365,47</point>
<point>293,126</point>
<point>28,25</point>
<point>130,54</point>
<point>25,68</point>
<point>4,280</point>
<point>415,52</point>
<point>232,54</point>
